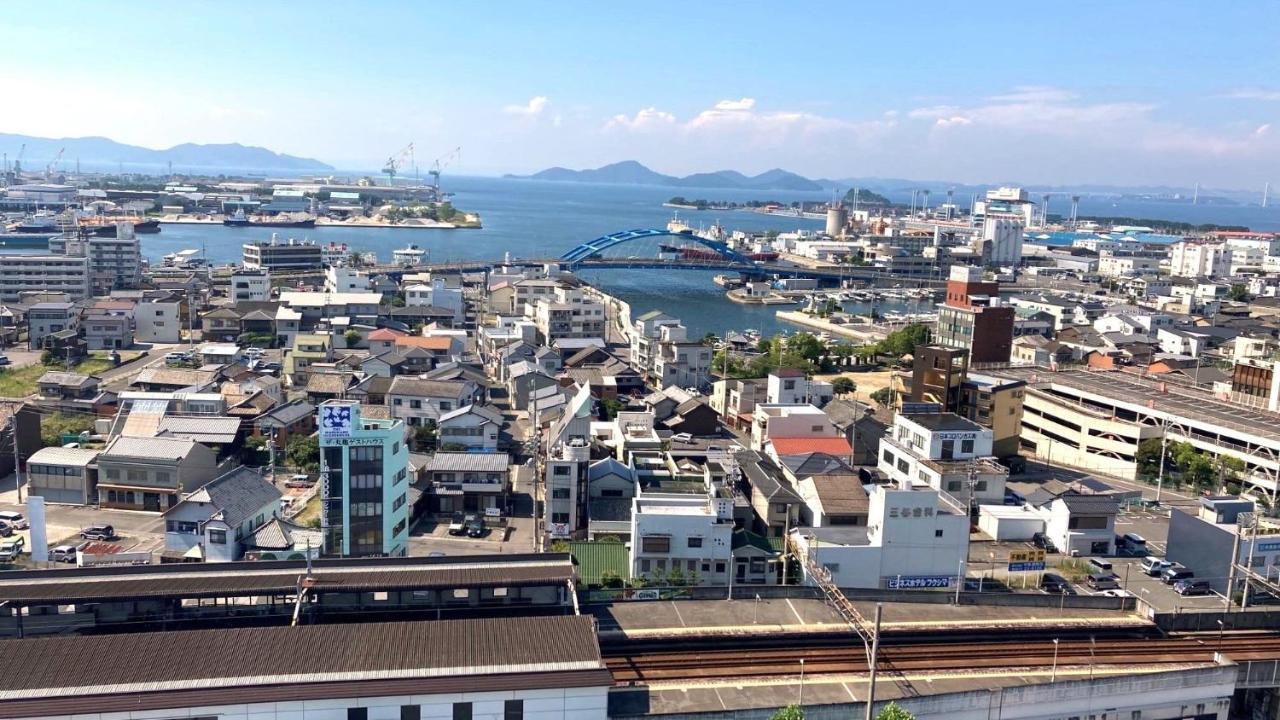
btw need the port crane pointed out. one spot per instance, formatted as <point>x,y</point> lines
<point>17,163</point>
<point>397,161</point>
<point>439,165</point>
<point>52,167</point>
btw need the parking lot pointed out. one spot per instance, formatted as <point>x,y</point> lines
<point>135,531</point>
<point>989,560</point>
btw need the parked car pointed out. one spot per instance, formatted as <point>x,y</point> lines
<point>15,519</point>
<point>4,359</point>
<point>1174,573</point>
<point>10,549</point>
<point>1153,566</point>
<point>458,523</point>
<point>1042,541</point>
<point>63,554</point>
<point>475,527</point>
<point>6,529</point>
<point>682,438</point>
<point>1116,593</point>
<point>1192,587</point>
<point>98,532</point>
<point>254,352</point>
<point>1054,583</point>
<point>1103,582</point>
<point>174,357</point>
<point>1100,565</point>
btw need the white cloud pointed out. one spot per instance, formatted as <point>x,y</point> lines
<point>1262,130</point>
<point>646,119</point>
<point>953,121</point>
<point>745,103</point>
<point>533,108</point>
<point>1034,94</point>
<point>1253,93</point>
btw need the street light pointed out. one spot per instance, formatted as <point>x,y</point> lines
<point>801,703</point>
<point>1221,629</point>
<point>1053,677</point>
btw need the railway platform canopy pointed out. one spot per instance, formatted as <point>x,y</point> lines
<point>60,600</point>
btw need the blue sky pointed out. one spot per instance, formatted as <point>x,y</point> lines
<point>1101,92</point>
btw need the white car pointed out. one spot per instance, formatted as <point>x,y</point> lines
<point>254,353</point>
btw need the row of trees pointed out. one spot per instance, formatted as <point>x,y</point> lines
<point>892,711</point>
<point>803,351</point>
<point>1184,464</point>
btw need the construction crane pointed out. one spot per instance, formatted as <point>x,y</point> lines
<point>52,167</point>
<point>395,162</point>
<point>17,163</point>
<point>439,165</point>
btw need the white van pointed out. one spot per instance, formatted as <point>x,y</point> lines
<point>15,519</point>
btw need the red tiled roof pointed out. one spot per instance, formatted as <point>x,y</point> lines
<point>385,334</point>
<point>802,445</point>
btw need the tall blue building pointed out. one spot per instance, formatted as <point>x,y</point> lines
<point>364,475</point>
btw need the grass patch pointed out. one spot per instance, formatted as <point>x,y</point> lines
<point>310,515</point>
<point>1073,569</point>
<point>20,382</point>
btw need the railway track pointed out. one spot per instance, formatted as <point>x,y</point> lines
<point>633,668</point>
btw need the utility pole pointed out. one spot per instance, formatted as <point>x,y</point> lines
<point>1164,444</point>
<point>17,459</point>
<point>875,656</point>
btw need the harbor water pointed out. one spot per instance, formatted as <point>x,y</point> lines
<point>533,219</point>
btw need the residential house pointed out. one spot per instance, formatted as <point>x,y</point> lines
<point>418,401</point>
<point>63,475</point>
<point>857,423</point>
<point>47,318</point>
<point>73,393</point>
<point>735,400</point>
<point>211,523</point>
<point>108,325</point>
<point>322,386</point>
<point>774,502</point>
<point>285,421</point>
<point>685,538</point>
<point>158,319</point>
<point>307,350</point>
<point>472,482</point>
<point>833,500</point>
<point>221,325</point>
<point>136,473</point>
<point>944,451</point>
<point>474,427</point>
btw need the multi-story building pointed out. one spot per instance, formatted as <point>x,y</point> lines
<point>345,280</point>
<point>212,523</point>
<point>1002,239</point>
<point>1115,265</point>
<point>250,285</point>
<point>44,319</point>
<point>788,386</point>
<point>974,318</point>
<point>568,314</point>
<point>996,404</point>
<point>44,273</point>
<point>468,481</point>
<point>945,452</point>
<point>679,361</point>
<point>914,538</point>
<point>152,473</point>
<point>158,319</point>
<point>418,401</point>
<point>567,468</point>
<point>681,535</point>
<point>115,263</point>
<point>364,482</point>
<point>1199,258</point>
<point>275,255</point>
<point>436,294</point>
<point>646,332</point>
<point>108,328</point>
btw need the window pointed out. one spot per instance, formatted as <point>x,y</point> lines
<point>695,542</point>
<point>513,710</point>
<point>357,713</point>
<point>560,518</point>
<point>560,493</point>
<point>937,533</point>
<point>462,711</point>
<point>966,445</point>
<point>655,544</point>
<point>560,470</point>
<point>218,537</point>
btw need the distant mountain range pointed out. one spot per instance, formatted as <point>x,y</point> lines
<point>630,172</point>
<point>100,151</point>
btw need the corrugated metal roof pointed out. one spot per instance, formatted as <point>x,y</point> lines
<point>211,429</point>
<point>243,657</point>
<point>78,457</point>
<point>264,578</point>
<point>596,558</point>
<point>469,462</point>
<point>154,448</point>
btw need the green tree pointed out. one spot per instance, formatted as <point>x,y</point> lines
<point>1239,292</point>
<point>445,211</point>
<point>53,427</point>
<point>559,546</point>
<point>883,396</point>
<point>304,452</point>
<point>254,451</point>
<point>893,711</point>
<point>790,712</point>
<point>904,341</point>
<point>843,385</point>
<point>424,436</point>
<point>612,406</point>
<point>1148,459</point>
<point>352,337</point>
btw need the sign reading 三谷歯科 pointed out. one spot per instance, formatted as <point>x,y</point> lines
<point>335,421</point>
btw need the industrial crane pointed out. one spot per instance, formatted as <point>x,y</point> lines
<point>52,167</point>
<point>395,162</point>
<point>439,165</point>
<point>17,163</point>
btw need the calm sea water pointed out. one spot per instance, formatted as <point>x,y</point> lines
<point>542,219</point>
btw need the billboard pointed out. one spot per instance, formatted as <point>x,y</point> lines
<point>335,421</point>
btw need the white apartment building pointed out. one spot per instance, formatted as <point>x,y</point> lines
<point>568,314</point>
<point>158,320</point>
<point>115,263</point>
<point>436,294</point>
<point>681,362</point>
<point>914,538</point>
<point>646,333</point>
<point>946,452</point>
<point>250,285</point>
<point>1126,265</point>
<point>791,387</point>
<point>345,280</point>
<point>770,421</point>
<point>44,273</point>
<point>689,534</point>
<point>1199,258</point>
<point>567,466</point>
